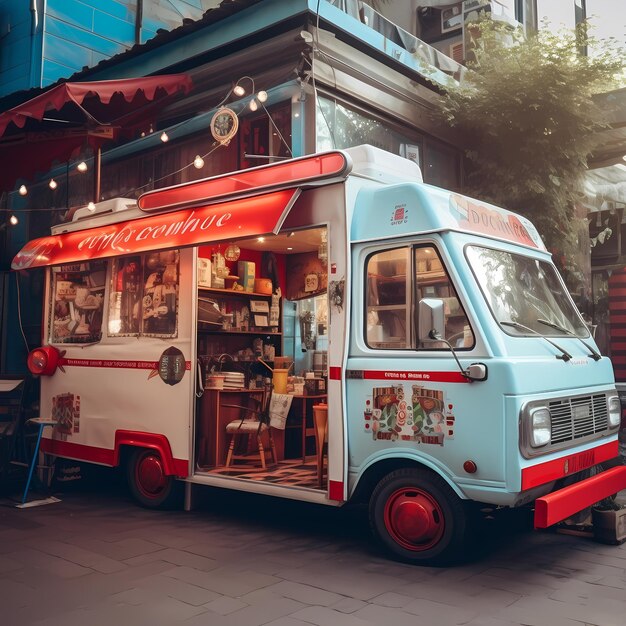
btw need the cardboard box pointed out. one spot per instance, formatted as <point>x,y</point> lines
<point>246,273</point>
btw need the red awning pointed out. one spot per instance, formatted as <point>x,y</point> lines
<point>243,217</point>
<point>54,124</point>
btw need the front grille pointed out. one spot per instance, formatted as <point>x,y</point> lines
<point>574,418</point>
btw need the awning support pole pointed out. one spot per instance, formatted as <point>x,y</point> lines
<point>97,164</point>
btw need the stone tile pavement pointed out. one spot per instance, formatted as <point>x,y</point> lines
<point>95,558</point>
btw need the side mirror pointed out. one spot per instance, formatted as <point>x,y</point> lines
<point>431,319</point>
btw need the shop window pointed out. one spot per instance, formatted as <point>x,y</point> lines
<point>387,301</point>
<point>144,295</point>
<point>265,136</point>
<point>78,292</point>
<point>442,166</point>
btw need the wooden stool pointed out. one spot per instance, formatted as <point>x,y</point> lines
<point>320,417</point>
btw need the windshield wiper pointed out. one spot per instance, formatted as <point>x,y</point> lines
<point>565,355</point>
<point>593,354</point>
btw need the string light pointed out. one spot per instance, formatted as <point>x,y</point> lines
<point>198,162</point>
<point>13,220</point>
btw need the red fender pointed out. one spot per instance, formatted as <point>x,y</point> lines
<point>160,443</point>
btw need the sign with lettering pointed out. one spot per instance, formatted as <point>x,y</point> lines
<point>491,220</point>
<point>257,215</point>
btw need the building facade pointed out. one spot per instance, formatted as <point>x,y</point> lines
<point>336,74</point>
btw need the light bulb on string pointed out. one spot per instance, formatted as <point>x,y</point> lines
<point>238,90</point>
<point>164,137</point>
<point>262,96</point>
<point>53,184</point>
<point>253,105</point>
<point>198,162</point>
<point>22,190</point>
<point>13,220</point>
<point>91,207</point>
<point>82,167</point>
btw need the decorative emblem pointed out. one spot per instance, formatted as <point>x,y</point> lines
<point>224,125</point>
<point>171,366</point>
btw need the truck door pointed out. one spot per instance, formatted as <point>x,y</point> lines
<point>401,395</point>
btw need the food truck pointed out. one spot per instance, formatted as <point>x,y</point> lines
<point>423,352</point>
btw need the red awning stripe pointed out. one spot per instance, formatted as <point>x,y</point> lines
<point>307,170</point>
<point>245,217</point>
<point>129,88</point>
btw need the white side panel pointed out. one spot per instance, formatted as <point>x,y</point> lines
<point>114,385</point>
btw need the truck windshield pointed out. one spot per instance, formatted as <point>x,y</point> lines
<point>526,291</point>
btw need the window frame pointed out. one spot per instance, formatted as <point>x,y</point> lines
<point>143,271</point>
<point>101,265</point>
<point>412,340</point>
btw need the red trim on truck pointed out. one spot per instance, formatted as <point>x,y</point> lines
<point>104,456</point>
<point>561,504</point>
<point>542,473</point>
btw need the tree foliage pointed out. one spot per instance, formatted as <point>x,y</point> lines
<point>526,113</point>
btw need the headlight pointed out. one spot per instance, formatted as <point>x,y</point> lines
<point>540,429</point>
<point>615,411</point>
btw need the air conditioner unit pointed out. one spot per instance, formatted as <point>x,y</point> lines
<point>456,52</point>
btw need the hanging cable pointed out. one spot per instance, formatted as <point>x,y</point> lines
<point>19,311</point>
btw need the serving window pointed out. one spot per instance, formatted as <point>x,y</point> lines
<point>78,302</point>
<point>144,295</point>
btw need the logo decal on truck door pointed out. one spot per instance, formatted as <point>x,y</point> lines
<point>419,415</point>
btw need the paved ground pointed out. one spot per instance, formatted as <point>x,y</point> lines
<point>242,560</point>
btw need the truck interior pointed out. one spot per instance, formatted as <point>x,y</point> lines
<point>262,359</point>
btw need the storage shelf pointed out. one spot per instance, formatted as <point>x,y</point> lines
<point>232,292</point>
<point>387,307</point>
<point>237,332</point>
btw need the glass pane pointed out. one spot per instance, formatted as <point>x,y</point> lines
<point>160,294</point>
<point>387,300</point>
<point>432,281</point>
<point>144,295</point>
<point>78,292</point>
<point>126,294</point>
<point>526,291</point>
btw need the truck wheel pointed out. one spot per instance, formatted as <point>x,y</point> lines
<point>417,517</point>
<point>149,485</point>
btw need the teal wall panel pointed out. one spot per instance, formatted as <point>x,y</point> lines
<point>53,71</point>
<point>80,37</point>
<point>119,30</point>
<point>72,12</point>
<point>18,38</point>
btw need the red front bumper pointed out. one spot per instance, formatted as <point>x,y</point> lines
<point>561,504</point>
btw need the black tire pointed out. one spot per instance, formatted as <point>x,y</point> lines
<point>149,485</point>
<point>418,518</point>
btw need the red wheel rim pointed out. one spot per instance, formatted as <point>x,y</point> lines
<point>414,519</point>
<point>150,476</point>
